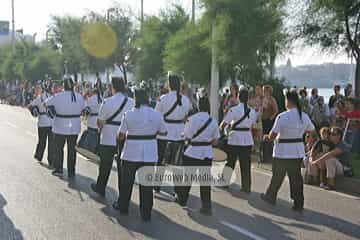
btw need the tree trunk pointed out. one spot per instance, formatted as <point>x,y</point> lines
<point>125,74</point>
<point>357,78</point>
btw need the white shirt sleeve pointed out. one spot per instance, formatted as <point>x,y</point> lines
<point>123,127</point>
<point>188,130</point>
<point>35,102</point>
<point>229,116</point>
<point>162,127</point>
<point>310,126</point>
<point>158,106</point>
<point>277,125</point>
<point>216,131</point>
<point>103,112</point>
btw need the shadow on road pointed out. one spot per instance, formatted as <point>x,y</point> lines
<point>7,227</point>
<point>160,227</point>
<point>310,217</point>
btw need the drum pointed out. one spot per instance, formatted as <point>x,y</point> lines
<point>219,155</point>
<point>88,144</point>
<point>173,154</point>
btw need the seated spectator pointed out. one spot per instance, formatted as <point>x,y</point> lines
<point>310,140</point>
<point>319,148</point>
<point>320,114</point>
<point>336,161</point>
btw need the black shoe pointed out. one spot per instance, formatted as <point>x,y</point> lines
<point>116,205</point>
<point>267,199</point>
<point>298,209</point>
<point>178,201</point>
<point>95,189</point>
<point>71,175</point>
<point>146,218</point>
<point>157,189</point>
<point>244,190</point>
<point>57,173</point>
<point>38,159</point>
<point>206,211</point>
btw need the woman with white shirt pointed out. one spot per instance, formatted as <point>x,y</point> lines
<point>289,150</point>
<point>174,107</point>
<point>139,128</point>
<point>202,132</point>
<point>239,121</point>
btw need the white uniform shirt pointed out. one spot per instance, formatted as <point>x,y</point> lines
<point>43,119</point>
<point>174,130</point>
<point>241,138</point>
<point>193,124</point>
<point>94,106</point>
<point>107,109</point>
<point>289,126</point>
<point>64,105</point>
<point>141,121</point>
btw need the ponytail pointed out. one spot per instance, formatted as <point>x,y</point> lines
<point>174,83</point>
<point>141,98</point>
<point>244,98</point>
<point>292,96</point>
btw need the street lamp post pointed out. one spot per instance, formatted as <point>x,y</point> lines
<point>193,11</point>
<point>13,24</point>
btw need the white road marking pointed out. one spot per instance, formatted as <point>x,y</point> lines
<point>242,231</point>
<point>31,134</point>
<point>12,125</point>
<point>309,186</point>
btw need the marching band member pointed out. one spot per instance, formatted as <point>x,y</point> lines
<point>93,106</point>
<point>175,108</point>
<point>108,122</point>
<point>289,150</point>
<point>203,132</point>
<point>240,119</point>
<point>37,108</point>
<point>66,107</point>
<point>139,128</point>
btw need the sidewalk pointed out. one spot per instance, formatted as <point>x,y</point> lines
<point>343,184</point>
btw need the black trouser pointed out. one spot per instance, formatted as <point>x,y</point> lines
<point>267,125</point>
<point>161,150</point>
<point>243,153</point>
<point>59,142</point>
<point>107,154</point>
<point>43,134</point>
<point>293,169</point>
<point>128,172</point>
<point>205,190</point>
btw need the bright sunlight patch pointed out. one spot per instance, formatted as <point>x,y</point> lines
<point>98,39</point>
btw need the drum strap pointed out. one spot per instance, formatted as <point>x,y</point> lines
<point>201,130</point>
<point>241,129</point>
<point>111,121</point>
<point>294,140</point>
<point>241,119</point>
<point>94,114</point>
<point>171,110</point>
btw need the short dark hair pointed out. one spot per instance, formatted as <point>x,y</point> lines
<point>337,87</point>
<point>141,97</point>
<point>204,104</point>
<point>243,95</point>
<point>118,84</point>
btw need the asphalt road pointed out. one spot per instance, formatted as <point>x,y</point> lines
<point>36,205</point>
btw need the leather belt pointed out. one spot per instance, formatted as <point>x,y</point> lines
<point>293,140</point>
<point>94,114</point>
<point>114,123</point>
<point>173,121</point>
<point>92,129</point>
<point>200,144</point>
<point>241,129</point>
<point>67,116</point>
<point>141,137</point>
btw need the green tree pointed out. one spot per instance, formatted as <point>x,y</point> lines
<point>249,34</point>
<point>335,25</point>
<point>153,38</point>
<point>186,53</point>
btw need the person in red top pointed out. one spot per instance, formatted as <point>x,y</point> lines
<point>353,133</point>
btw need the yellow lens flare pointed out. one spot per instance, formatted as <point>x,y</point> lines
<point>98,40</point>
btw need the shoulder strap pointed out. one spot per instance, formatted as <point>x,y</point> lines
<point>118,111</point>
<point>172,108</point>
<point>242,118</point>
<point>202,129</point>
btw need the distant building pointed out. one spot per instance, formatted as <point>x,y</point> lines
<point>5,34</point>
